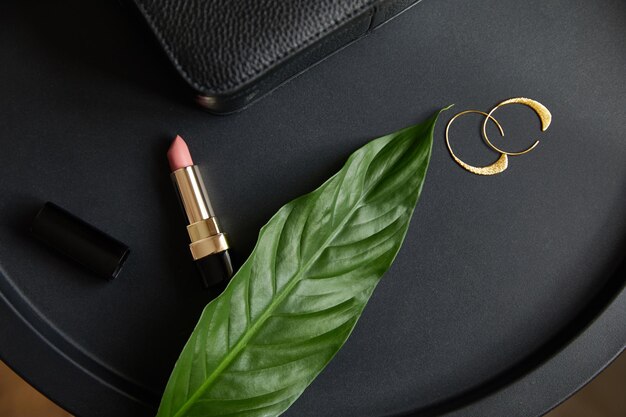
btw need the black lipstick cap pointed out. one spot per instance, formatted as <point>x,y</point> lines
<point>79,241</point>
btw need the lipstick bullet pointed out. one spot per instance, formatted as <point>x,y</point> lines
<point>209,245</point>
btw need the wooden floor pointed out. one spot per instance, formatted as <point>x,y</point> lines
<point>603,397</point>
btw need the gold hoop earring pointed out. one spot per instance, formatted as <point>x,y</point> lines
<point>497,167</point>
<point>544,115</point>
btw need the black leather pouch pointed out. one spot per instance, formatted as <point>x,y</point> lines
<point>232,52</point>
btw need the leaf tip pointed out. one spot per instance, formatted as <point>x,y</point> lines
<point>448,107</point>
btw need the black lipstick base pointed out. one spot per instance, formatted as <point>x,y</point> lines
<point>215,270</point>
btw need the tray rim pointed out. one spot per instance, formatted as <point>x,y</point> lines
<point>493,397</point>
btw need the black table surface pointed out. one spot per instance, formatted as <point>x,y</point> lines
<point>507,294</point>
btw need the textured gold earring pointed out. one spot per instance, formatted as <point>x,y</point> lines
<point>497,167</point>
<point>503,162</point>
<point>544,115</point>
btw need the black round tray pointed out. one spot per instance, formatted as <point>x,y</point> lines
<point>507,295</point>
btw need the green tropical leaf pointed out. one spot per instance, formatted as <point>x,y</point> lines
<point>295,301</point>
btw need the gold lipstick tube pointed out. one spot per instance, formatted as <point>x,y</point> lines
<point>204,231</point>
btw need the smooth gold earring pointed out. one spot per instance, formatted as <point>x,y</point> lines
<point>497,167</point>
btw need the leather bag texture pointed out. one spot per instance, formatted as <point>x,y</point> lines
<point>232,52</point>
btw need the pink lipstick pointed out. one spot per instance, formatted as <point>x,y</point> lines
<point>178,154</point>
<point>209,246</point>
